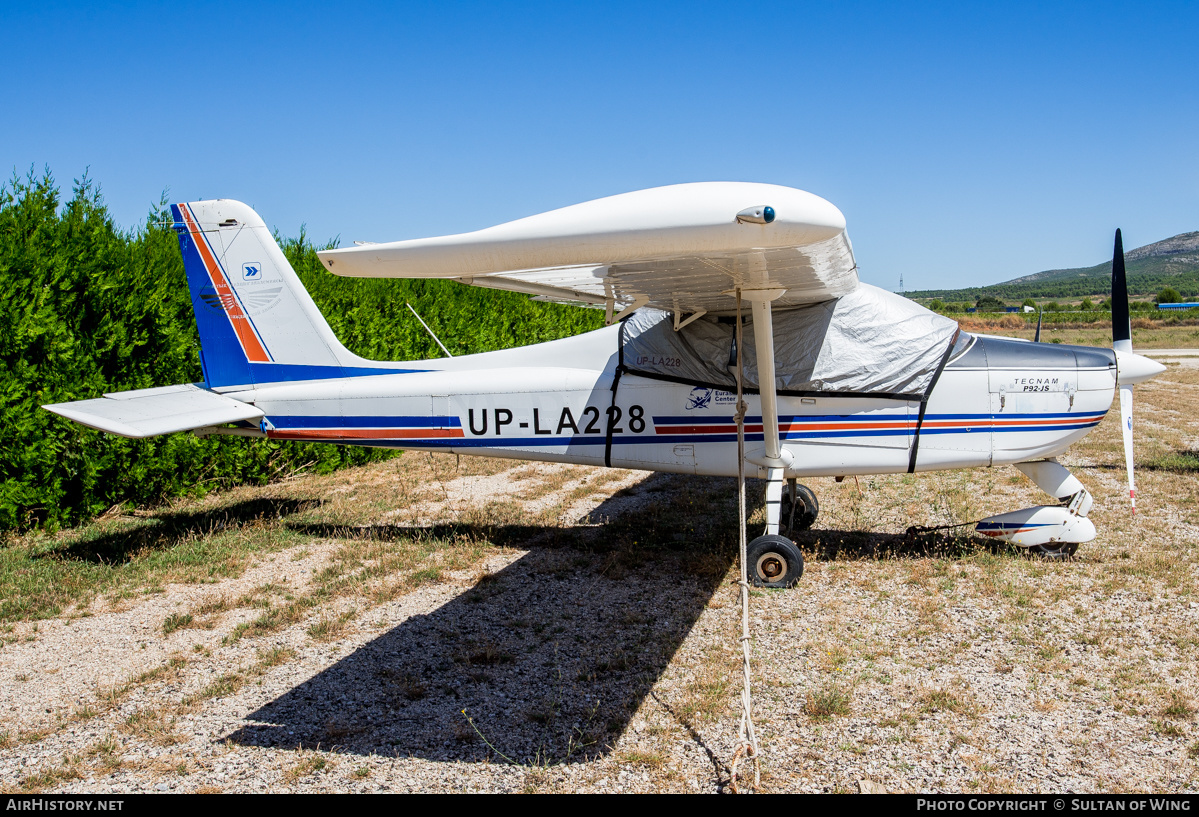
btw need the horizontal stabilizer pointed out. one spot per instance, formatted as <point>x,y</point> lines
<point>150,412</point>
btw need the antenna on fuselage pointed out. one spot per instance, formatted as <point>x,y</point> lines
<point>430,331</point>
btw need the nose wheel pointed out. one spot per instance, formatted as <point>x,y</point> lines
<point>773,561</point>
<point>1057,550</point>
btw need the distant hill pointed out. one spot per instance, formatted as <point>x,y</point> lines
<point>1171,262</point>
<point>1171,256</point>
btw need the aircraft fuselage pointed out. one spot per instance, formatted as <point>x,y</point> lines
<point>998,401</point>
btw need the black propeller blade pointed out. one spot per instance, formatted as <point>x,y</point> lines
<point>1121,324</point>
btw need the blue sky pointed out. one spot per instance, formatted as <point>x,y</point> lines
<point>965,143</point>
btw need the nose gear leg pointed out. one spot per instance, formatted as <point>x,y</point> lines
<point>1053,478</point>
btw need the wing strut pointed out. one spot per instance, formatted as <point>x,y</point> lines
<point>764,348</point>
<point>771,456</point>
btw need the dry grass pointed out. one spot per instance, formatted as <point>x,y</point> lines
<point>1179,706</point>
<point>71,768</point>
<point>155,726</point>
<point>942,700</point>
<point>230,683</point>
<point>640,757</point>
<point>309,764</point>
<point>1147,333</point>
<point>114,560</point>
<point>895,654</point>
<point>327,629</point>
<point>106,754</point>
<point>828,702</point>
<point>708,688</point>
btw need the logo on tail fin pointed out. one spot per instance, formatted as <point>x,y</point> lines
<point>254,303</point>
<point>251,271</point>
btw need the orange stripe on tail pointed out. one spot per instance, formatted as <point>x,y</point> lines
<point>250,344</point>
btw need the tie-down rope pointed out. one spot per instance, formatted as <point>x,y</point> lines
<point>747,742</point>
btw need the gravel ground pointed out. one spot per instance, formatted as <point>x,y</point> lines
<point>551,668</point>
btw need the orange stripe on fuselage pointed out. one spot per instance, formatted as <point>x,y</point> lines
<point>250,344</point>
<point>784,428</point>
<point>999,422</point>
<point>993,533</point>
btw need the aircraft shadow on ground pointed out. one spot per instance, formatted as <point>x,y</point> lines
<point>166,530</point>
<point>546,660</point>
<point>826,544</point>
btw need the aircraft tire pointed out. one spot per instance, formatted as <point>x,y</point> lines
<point>805,512</point>
<point>773,561</point>
<point>1057,550</point>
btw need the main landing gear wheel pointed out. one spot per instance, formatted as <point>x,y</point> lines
<point>801,513</point>
<point>773,561</point>
<point>1055,550</point>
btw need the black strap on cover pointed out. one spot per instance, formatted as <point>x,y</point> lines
<point>924,400</point>
<point>615,383</point>
<point>611,419</point>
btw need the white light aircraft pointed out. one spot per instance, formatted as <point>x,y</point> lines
<point>841,378</point>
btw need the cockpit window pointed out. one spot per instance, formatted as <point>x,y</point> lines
<point>964,341</point>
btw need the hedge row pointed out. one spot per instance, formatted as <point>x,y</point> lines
<point>86,308</point>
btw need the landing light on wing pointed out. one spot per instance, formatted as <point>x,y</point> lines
<point>756,215</point>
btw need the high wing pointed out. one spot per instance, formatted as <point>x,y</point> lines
<point>683,248</point>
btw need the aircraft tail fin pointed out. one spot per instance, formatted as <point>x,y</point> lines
<point>257,323</point>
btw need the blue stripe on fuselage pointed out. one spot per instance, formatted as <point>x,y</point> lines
<point>266,374</point>
<point>296,421</point>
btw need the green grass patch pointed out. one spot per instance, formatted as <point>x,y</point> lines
<point>828,702</point>
<point>1178,707</point>
<point>176,621</point>
<point>942,700</point>
<point>42,575</point>
<point>1175,462</point>
<point>327,628</point>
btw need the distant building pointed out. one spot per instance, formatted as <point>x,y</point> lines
<point>1178,306</point>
